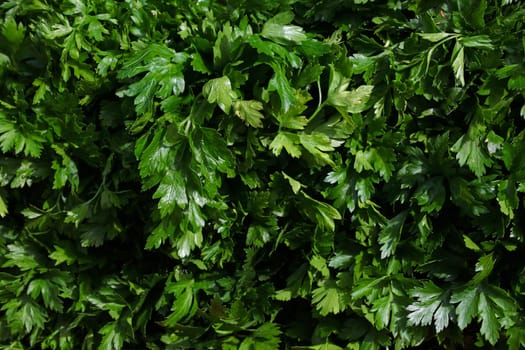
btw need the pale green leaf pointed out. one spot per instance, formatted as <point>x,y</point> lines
<point>319,263</point>
<point>353,101</point>
<point>458,63</point>
<point>296,185</point>
<point>187,242</point>
<point>219,90</point>
<point>3,207</point>
<point>283,33</point>
<point>287,140</point>
<point>249,112</point>
<point>318,144</point>
<point>435,37</point>
<point>477,41</point>
<point>469,152</point>
<point>283,295</point>
<point>328,298</point>
<point>281,84</point>
<point>470,244</point>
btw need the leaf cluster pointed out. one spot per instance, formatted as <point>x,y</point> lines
<point>278,174</point>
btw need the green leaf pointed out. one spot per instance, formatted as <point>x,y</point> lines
<point>430,195</point>
<point>484,267</point>
<point>470,152</point>
<point>281,84</point>
<point>458,63</point>
<point>435,37</point>
<point>341,261</point>
<point>379,160</point>
<point>219,90</point>
<point>279,30</point>
<point>49,292</point>
<point>258,235</point>
<point>160,234</point>
<point>198,63</point>
<point>328,299</point>
<point>24,257</point>
<point>78,214</point>
<point>431,306</point>
<point>354,101</point>
<point>326,346</point>
<point>309,74</point>
<point>323,213</point>
<point>283,33</point>
<point>467,308</point>
<point>318,144</point>
<point>287,140</point>
<point>155,158</point>
<point>181,307</point>
<point>164,77</point>
<point>319,263</point>
<point>93,236</point>
<point>382,307</point>
<point>470,244</point>
<point>292,119</point>
<point>283,295</point>
<point>494,142</point>
<point>477,41</point>
<point>13,138</point>
<point>65,171</point>
<point>187,242</point>
<point>517,82</point>
<point>490,327</point>
<point>466,196</point>
<point>508,197</point>
<point>32,315</point>
<point>473,11</point>
<point>171,193</point>
<point>212,149</point>
<point>274,50</point>
<point>249,112</point>
<point>112,339</point>
<point>366,286</point>
<point>296,185</point>
<point>266,337</point>
<point>65,253</point>
<point>14,33</point>
<point>390,234</point>
<point>3,207</point>
<point>516,338</point>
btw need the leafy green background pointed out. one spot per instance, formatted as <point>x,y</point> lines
<point>260,175</point>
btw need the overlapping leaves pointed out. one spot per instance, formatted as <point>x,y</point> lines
<point>273,174</point>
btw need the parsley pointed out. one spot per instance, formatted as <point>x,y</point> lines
<point>261,175</point>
